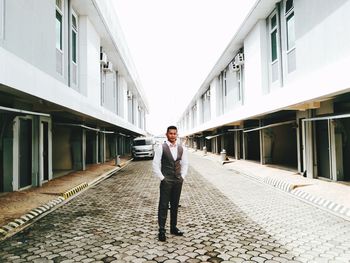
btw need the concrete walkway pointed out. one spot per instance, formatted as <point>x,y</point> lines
<point>226,217</point>
<point>19,208</point>
<point>331,196</point>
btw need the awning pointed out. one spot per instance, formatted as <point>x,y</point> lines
<point>270,125</point>
<point>333,117</point>
<point>78,125</point>
<point>213,136</point>
<point>24,111</point>
<point>233,130</point>
<point>122,134</point>
<point>106,132</point>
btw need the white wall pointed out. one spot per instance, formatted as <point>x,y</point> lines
<point>254,65</point>
<point>29,32</point>
<point>322,33</point>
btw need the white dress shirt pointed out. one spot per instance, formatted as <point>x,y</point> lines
<point>157,160</point>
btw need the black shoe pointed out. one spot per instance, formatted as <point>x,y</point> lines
<point>175,231</point>
<point>161,236</point>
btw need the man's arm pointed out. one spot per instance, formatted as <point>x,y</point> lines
<point>158,151</point>
<point>184,162</point>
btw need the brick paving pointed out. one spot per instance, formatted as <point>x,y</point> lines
<point>226,218</point>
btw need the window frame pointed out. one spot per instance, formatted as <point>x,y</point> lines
<point>290,13</point>
<point>74,54</point>
<point>2,19</point>
<point>102,85</point>
<point>76,31</point>
<point>276,62</point>
<point>206,102</point>
<point>60,11</point>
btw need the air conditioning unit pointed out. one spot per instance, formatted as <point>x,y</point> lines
<point>103,58</point>
<point>108,67</point>
<point>234,67</point>
<point>207,94</point>
<point>239,59</point>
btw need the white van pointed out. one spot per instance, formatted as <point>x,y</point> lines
<point>143,147</point>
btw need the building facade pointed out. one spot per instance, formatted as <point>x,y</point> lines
<point>279,93</point>
<point>69,92</point>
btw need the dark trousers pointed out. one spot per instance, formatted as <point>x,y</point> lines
<point>170,191</point>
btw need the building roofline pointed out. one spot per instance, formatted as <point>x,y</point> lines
<point>260,10</point>
<point>117,38</point>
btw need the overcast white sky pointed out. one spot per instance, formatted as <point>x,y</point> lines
<point>174,45</point>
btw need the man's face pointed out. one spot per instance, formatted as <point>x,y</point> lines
<point>172,135</point>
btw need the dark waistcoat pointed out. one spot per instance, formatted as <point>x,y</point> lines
<point>171,168</point>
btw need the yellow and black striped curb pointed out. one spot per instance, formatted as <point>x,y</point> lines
<point>329,205</point>
<point>74,190</point>
<point>13,225</point>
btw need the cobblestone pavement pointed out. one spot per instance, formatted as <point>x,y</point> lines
<point>226,218</point>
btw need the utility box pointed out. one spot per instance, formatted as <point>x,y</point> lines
<point>117,160</point>
<point>223,155</point>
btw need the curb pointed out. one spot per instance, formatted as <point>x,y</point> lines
<point>292,189</point>
<point>328,205</point>
<point>13,225</point>
<point>74,190</point>
<point>19,223</point>
<point>280,184</point>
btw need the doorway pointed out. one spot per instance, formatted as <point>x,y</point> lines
<point>322,149</point>
<point>252,146</point>
<point>45,126</point>
<point>25,153</point>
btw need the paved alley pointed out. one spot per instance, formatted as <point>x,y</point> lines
<point>226,217</point>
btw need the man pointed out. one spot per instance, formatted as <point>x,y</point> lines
<point>170,165</point>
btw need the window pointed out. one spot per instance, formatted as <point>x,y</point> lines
<point>239,84</point>
<point>59,36</point>
<point>102,84</point>
<point>273,32</point>
<point>74,37</point>
<point>194,115</point>
<point>290,35</point>
<point>274,46</point>
<point>58,30</point>
<point>74,48</point>
<point>206,105</point>
<point>2,17</point>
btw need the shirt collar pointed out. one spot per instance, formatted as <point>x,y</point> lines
<point>170,144</point>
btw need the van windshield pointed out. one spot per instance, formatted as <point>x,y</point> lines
<point>143,142</point>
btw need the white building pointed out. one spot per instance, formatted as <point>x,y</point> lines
<point>279,93</point>
<point>69,92</point>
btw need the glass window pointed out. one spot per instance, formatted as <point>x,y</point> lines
<point>274,39</point>
<point>74,46</point>
<point>2,16</point>
<point>273,22</point>
<point>59,4</point>
<point>74,37</point>
<point>290,31</point>
<point>74,22</point>
<point>274,46</point>
<point>274,31</point>
<point>289,6</point>
<point>58,31</point>
<point>290,27</point>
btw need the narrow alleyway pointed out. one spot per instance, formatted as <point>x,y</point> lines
<point>226,217</point>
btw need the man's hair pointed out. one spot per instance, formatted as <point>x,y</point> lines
<point>171,128</point>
